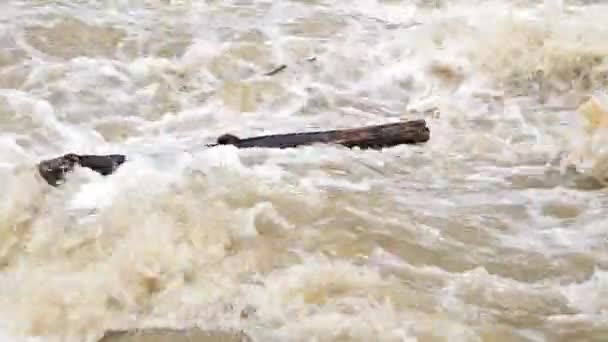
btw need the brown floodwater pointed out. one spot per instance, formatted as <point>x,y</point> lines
<point>493,230</point>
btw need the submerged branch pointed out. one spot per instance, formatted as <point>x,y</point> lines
<point>282,67</point>
<point>276,70</point>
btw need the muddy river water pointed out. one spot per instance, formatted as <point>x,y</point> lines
<point>493,230</point>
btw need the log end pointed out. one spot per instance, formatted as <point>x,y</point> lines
<point>228,139</point>
<point>53,170</point>
<point>386,135</point>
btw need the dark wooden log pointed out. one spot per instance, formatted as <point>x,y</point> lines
<point>370,137</point>
<point>54,170</point>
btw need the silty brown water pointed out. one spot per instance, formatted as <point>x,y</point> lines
<point>480,234</point>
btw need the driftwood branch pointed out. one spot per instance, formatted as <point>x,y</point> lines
<point>276,70</point>
<point>369,137</point>
<point>282,67</point>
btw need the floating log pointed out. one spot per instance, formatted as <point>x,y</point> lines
<point>54,170</point>
<point>369,137</point>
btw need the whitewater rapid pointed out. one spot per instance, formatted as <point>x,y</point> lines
<point>493,230</point>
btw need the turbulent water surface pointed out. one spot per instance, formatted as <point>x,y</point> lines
<point>494,230</point>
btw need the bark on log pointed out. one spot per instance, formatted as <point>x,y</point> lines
<point>370,137</point>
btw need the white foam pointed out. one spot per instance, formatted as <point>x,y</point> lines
<point>589,296</point>
<point>184,233</point>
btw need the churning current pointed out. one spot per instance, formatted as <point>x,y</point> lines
<point>493,230</point>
